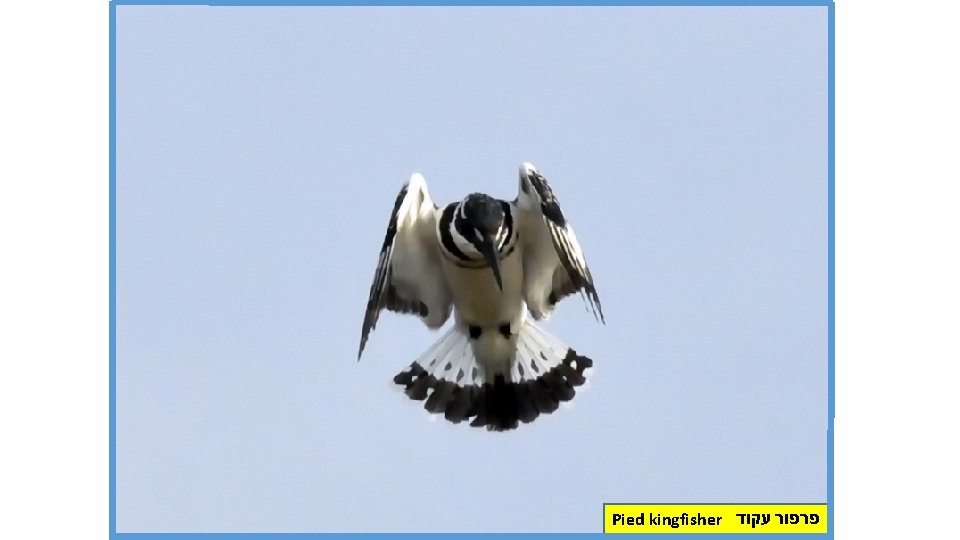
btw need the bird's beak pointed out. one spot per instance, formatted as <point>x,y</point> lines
<point>490,254</point>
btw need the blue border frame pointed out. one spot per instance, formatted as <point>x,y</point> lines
<point>113,270</point>
<point>553,3</point>
<point>831,336</point>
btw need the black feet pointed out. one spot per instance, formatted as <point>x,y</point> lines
<point>475,331</point>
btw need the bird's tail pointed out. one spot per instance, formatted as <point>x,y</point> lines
<point>543,373</point>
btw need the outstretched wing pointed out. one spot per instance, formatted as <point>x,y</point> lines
<point>554,266</point>
<point>409,278</point>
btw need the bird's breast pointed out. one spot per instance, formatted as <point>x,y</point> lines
<point>476,297</point>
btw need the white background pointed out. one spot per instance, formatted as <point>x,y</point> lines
<point>897,293</point>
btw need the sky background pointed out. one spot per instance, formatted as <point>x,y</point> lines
<point>259,152</point>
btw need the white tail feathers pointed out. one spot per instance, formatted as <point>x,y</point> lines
<point>544,373</point>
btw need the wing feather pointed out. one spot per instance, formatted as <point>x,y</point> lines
<point>408,278</point>
<point>552,250</point>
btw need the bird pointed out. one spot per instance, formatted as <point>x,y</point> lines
<point>497,266</point>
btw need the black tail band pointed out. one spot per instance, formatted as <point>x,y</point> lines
<point>500,405</point>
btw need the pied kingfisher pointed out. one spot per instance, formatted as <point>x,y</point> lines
<point>489,261</point>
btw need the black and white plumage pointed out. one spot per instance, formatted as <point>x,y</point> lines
<point>490,263</point>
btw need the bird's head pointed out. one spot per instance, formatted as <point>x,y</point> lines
<point>484,216</point>
<point>483,213</point>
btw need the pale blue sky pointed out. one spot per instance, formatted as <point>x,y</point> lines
<point>259,151</point>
